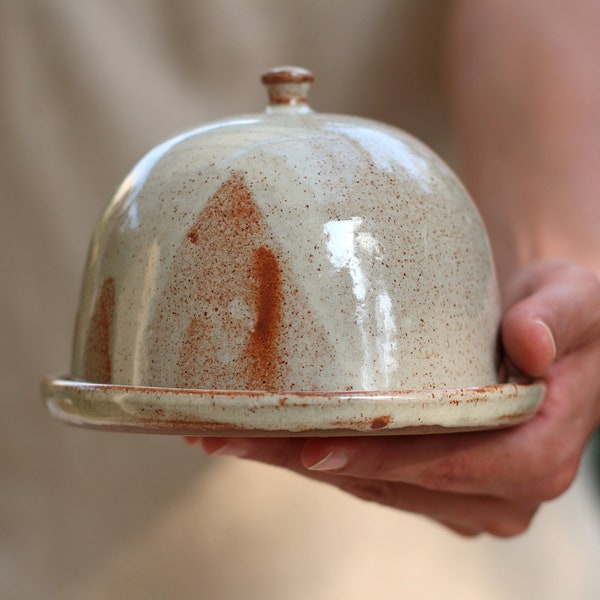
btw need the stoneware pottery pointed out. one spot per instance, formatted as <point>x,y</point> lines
<point>289,273</point>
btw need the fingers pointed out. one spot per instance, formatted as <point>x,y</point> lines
<point>466,464</point>
<point>512,464</point>
<point>465,514</point>
<point>281,452</point>
<point>556,310</point>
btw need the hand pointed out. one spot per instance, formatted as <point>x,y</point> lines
<point>490,481</point>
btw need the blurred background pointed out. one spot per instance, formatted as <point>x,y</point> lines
<point>86,88</point>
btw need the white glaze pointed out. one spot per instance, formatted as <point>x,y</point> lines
<point>385,279</point>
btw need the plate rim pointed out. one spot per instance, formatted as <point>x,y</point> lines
<point>183,411</point>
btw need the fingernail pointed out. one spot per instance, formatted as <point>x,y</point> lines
<point>193,441</point>
<point>229,449</point>
<point>334,460</point>
<point>222,447</point>
<point>550,335</point>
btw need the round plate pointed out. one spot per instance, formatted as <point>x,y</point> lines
<point>268,414</point>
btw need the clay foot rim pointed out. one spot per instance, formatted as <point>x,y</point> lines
<point>266,414</point>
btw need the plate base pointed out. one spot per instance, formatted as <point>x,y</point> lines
<point>268,414</point>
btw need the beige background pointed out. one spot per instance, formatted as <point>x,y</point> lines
<point>86,88</point>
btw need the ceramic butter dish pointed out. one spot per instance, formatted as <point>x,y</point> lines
<point>289,273</point>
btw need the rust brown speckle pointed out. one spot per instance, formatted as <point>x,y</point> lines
<point>230,313</point>
<point>380,422</point>
<point>98,363</point>
<point>221,312</point>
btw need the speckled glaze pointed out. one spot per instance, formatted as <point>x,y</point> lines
<point>289,252</point>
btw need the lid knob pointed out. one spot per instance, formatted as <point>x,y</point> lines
<point>288,87</point>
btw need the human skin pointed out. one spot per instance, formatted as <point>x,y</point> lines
<point>523,79</point>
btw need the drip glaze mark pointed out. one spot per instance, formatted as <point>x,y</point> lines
<point>263,345</point>
<point>98,364</point>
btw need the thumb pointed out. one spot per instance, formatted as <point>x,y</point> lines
<point>558,312</point>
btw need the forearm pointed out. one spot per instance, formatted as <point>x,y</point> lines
<point>525,84</point>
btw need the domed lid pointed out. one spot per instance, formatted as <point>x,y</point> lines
<point>286,260</point>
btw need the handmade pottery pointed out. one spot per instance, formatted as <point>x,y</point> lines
<point>288,273</point>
